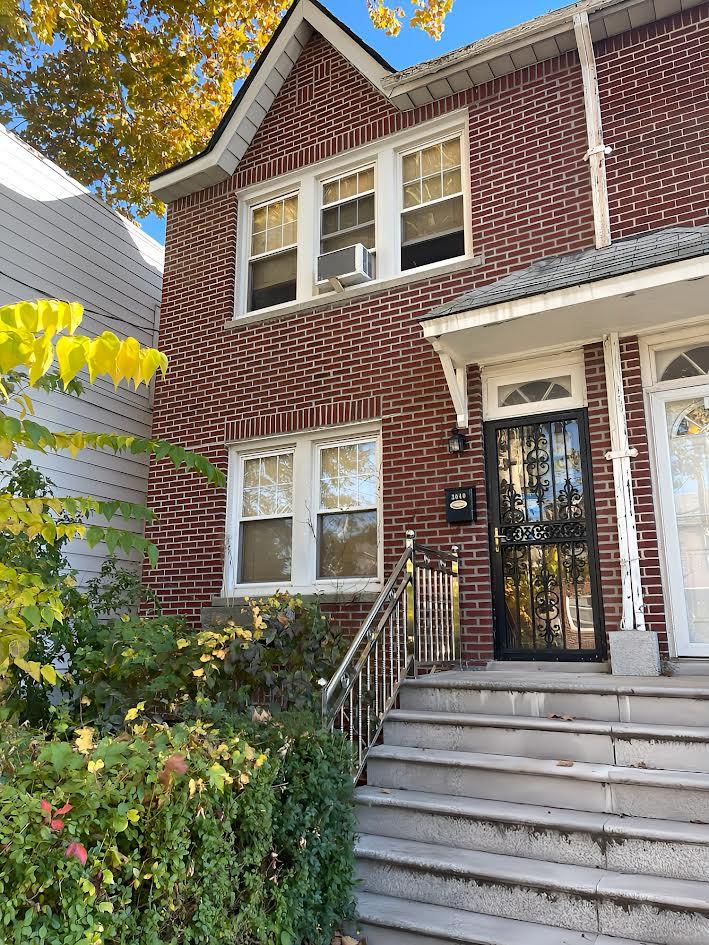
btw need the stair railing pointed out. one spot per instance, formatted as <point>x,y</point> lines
<point>414,623</point>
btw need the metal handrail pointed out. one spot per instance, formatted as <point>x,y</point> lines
<point>414,621</point>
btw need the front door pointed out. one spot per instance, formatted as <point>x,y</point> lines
<point>543,540</point>
<point>682,444</point>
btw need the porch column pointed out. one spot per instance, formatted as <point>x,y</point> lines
<point>635,651</point>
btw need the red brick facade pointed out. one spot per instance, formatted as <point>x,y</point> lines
<point>530,198</point>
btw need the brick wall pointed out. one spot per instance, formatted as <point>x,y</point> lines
<point>530,198</point>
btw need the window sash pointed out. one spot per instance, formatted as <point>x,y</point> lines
<point>375,476</point>
<point>266,205</point>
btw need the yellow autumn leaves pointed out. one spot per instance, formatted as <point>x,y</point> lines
<point>27,333</point>
<point>429,15</point>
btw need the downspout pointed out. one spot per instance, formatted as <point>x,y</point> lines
<point>621,454</point>
<point>597,150</point>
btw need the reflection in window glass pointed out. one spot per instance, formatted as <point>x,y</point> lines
<point>347,216</point>
<point>347,519</point>
<point>534,392</point>
<point>678,363</point>
<point>273,253</point>
<point>432,221</point>
<point>266,519</point>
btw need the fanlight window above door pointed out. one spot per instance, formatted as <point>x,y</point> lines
<point>676,364</point>
<point>534,392</point>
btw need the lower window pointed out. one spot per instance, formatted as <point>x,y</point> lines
<point>305,515</point>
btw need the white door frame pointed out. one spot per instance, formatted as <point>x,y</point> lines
<point>675,601</point>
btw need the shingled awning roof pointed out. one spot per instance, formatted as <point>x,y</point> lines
<point>632,254</point>
<point>637,285</point>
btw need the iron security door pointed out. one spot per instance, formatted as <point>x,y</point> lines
<point>543,540</point>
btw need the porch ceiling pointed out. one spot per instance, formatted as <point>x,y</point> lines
<point>632,286</point>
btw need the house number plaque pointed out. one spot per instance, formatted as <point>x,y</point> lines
<point>460,505</point>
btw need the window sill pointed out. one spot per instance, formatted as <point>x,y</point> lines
<point>355,292</point>
<point>327,591</point>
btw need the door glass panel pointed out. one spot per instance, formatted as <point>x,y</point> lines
<point>688,431</point>
<point>545,600</point>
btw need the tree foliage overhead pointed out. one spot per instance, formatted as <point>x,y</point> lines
<point>117,90</point>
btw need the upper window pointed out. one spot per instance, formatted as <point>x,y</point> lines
<point>675,364</point>
<point>273,259</point>
<point>348,211</point>
<point>432,218</point>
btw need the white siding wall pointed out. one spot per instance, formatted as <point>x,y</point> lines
<point>58,241</point>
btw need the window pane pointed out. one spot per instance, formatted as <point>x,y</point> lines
<point>273,280</point>
<point>331,220</point>
<point>258,244</point>
<point>412,166</point>
<point>331,192</point>
<point>433,250</point>
<point>348,186</point>
<point>348,460</point>
<point>452,183</point>
<point>329,494</point>
<point>412,194</point>
<point>285,468</point>
<point>348,215</point>
<point>366,180</point>
<point>364,235</point>
<point>431,160</point>
<point>290,234</point>
<point>367,459</point>
<point>368,492</point>
<point>678,363</point>
<point>534,392</point>
<point>348,545</point>
<point>249,505</point>
<point>441,218</point>
<point>432,188</point>
<point>251,472</point>
<point>365,209</point>
<point>451,153</point>
<point>275,214</point>
<point>349,492</point>
<point>259,220</point>
<point>290,210</point>
<point>265,551</point>
<point>328,462</point>
<point>274,239</point>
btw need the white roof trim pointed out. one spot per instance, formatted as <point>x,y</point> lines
<point>221,161</point>
<point>621,285</point>
<point>537,40</point>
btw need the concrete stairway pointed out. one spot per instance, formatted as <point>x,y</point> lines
<point>529,808</point>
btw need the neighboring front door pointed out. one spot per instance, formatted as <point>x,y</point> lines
<point>543,539</point>
<point>681,423</point>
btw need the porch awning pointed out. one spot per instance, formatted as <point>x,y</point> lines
<point>635,284</point>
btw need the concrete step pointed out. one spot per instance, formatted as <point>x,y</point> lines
<point>658,911</point>
<point>622,844</point>
<point>615,743</point>
<point>385,920</point>
<point>573,785</point>
<point>525,667</point>
<point>679,700</point>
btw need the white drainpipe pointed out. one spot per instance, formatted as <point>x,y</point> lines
<point>597,150</point>
<point>621,454</point>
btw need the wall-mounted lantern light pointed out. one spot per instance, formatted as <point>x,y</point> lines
<point>457,443</point>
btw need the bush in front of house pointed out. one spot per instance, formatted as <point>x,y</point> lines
<point>187,834</point>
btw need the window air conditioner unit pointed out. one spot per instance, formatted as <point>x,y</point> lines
<point>344,267</point>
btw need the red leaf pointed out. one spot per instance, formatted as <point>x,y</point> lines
<point>78,851</point>
<point>56,824</point>
<point>64,810</point>
<point>175,764</point>
<point>46,809</point>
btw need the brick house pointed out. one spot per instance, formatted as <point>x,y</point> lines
<point>522,202</point>
<point>470,299</point>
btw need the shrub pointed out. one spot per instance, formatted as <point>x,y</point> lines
<point>164,835</point>
<point>278,658</point>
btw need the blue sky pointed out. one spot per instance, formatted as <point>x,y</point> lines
<point>468,21</point>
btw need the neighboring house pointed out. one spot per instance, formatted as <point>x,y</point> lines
<point>58,241</point>
<point>525,312</point>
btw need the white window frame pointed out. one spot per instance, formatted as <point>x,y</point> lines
<point>657,394</point>
<point>306,504</point>
<point>464,183</point>
<point>386,158</point>
<point>323,206</point>
<point>522,372</point>
<point>256,205</point>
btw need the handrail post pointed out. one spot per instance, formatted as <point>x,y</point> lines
<point>411,599</point>
<point>455,599</point>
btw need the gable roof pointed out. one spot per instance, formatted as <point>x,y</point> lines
<point>632,254</point>
<point>537,40</point>
<point>241,121</point>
